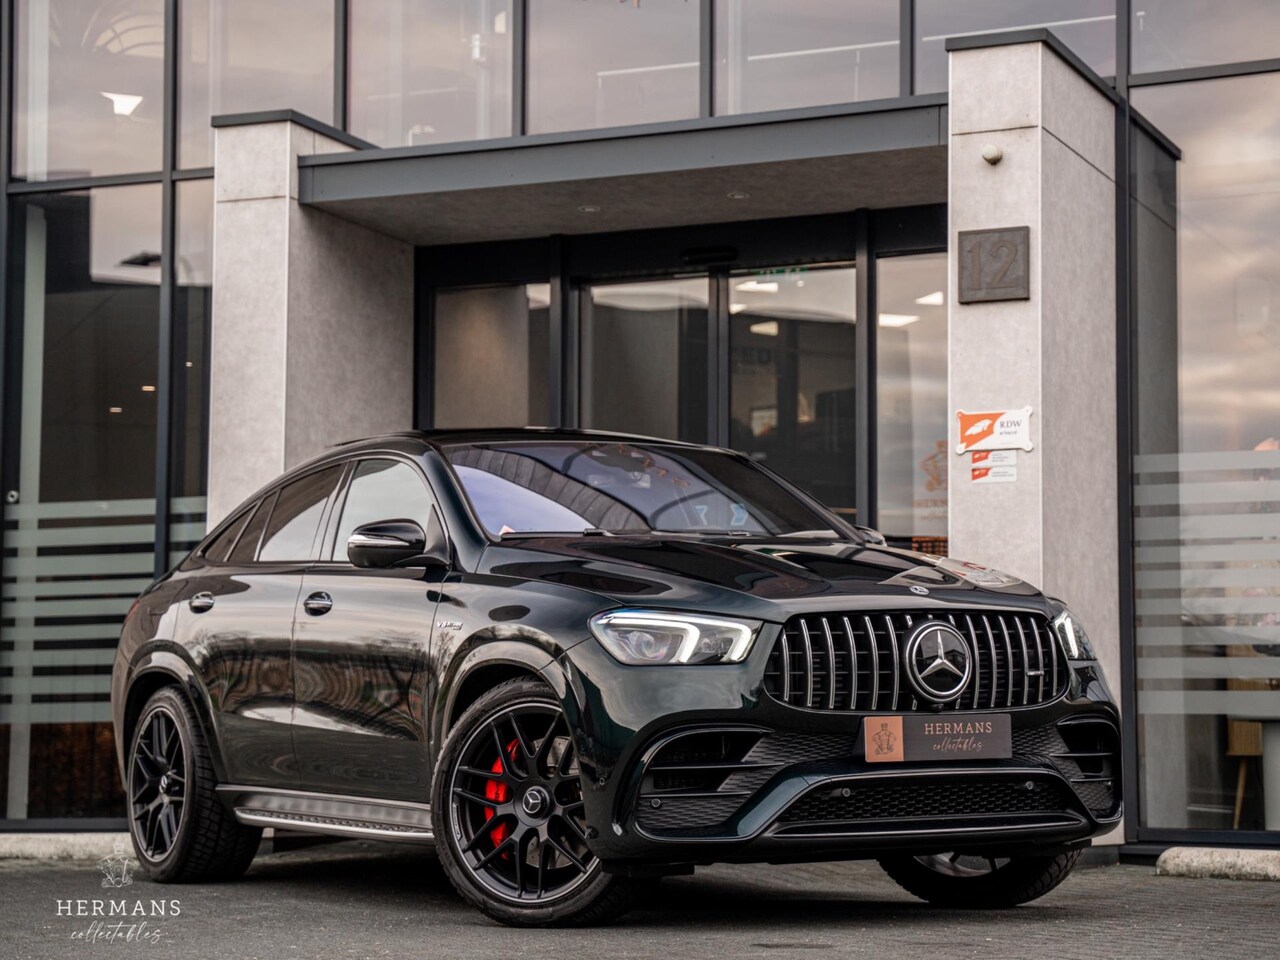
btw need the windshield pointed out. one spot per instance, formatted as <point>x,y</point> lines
<point>572,486</point>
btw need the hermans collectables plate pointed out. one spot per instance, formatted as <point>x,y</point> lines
<point>910,738</point>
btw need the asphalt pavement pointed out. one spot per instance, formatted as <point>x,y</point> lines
<point>356,900</point>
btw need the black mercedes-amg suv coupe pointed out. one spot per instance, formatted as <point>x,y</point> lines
<point>574,662</point>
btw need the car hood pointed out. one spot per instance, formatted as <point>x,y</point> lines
<point>768,578</point>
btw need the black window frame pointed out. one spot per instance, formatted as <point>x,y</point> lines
<point>238,521</point>
<point>321,524</point>
<point>338,502</point>
<point>266,503</point>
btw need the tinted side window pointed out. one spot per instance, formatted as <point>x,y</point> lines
<point>247,546</point>
<point>220,547</point>
<point>383,490</point>
<point>291,532</point>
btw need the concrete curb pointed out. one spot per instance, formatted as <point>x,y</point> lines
<point>1218,863</point>
<point>61,846</point>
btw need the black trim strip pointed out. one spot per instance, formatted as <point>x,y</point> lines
<point>1214,72</point>
<point>165,438</point>
<point>6,146</point>
<point>519,67</point>
<point>707,58</point>
<point>906,47</point>
<point>1124,476</point>
<point>83,183</point>
<point>864,369</point>
<point>341,42</point>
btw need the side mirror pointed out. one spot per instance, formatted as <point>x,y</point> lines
<point>873,536</point>
<point>392,543</point>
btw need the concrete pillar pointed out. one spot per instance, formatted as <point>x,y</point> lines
<point>1056,525</point>
<point>312,339</point>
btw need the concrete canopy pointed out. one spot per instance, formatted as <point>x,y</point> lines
<point>789,164</point>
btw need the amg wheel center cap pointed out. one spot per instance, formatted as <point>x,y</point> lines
<point>164,783</point>
<point>536,801</point>
<point>938,661</point>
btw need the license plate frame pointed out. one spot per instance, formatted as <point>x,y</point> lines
<point>933,738</point>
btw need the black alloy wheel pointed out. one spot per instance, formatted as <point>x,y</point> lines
<point>980,882</point>
<point>157,784</point>
<point>182,832</point>
<point>961,864</point>
<point>517,805</point>
<point>509,790</point>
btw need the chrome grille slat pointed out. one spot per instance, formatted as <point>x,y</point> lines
<point>875,661</point>
<point>977,660</point>
<point>786,668</point>
<point>816,661</point>
<point>897,660</point>
<point>995,664</point>
<point>1039,660</point>
<point>831,666</point>
<point>1053,657</point>
<point>1008,654</point>
<point>808,664</point>
<point>1026,663</point>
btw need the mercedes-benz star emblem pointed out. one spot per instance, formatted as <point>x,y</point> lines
<point>938,661</point>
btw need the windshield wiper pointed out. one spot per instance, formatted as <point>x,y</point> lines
<point>534,534</point>
<point>699,532</point>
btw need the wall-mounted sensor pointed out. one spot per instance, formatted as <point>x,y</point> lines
<point>992,154</point>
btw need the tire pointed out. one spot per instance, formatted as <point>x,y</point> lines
<point>181,831</point>
<point>509,823</point>
<point>946,881</point>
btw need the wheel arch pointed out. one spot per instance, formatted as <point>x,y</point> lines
<point>489,665</point>
<point>165,668</point>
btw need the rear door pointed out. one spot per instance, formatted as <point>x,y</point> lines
<point>361,647</point>
<point>238,620</point>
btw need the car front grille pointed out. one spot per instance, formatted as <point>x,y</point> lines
<point>854,661</point>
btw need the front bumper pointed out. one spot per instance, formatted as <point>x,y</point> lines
<point>691,765</point>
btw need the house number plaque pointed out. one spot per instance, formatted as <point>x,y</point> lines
<point>995,264</point>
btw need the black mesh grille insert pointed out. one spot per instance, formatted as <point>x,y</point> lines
<point>926,800</point>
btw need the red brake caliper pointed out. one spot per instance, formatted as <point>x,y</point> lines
<point>498,792</point>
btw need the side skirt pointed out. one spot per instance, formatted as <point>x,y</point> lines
<point>358,817</point>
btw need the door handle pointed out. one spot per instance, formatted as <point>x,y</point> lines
<point>201,602</point>
<point>318,604</point>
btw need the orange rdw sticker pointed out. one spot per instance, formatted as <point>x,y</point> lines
<point>883,739</point>
<point>976,427</point>
<point>995,430</point>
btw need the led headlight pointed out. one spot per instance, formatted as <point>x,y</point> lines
<point>649,637</point>
<point>1071,635</point>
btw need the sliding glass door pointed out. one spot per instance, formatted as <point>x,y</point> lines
<point>791,376</point>
<point>644,358</point>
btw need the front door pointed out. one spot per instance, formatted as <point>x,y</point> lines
<point>361,648</point>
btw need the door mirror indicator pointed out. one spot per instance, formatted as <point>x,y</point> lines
<point>396,543</point>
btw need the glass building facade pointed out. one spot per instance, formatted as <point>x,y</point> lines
<point>107,159</point>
